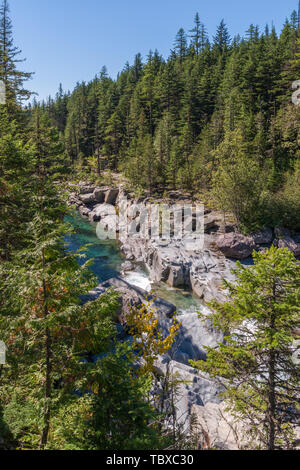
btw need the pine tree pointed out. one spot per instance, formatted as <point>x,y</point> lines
<point>12,77</point>
<point>180,44</point>
<point>255,362</point>
<point>222,38</point>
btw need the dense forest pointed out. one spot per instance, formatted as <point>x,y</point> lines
<point>215,120</point>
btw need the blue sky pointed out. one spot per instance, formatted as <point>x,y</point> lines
<point>70,40</point>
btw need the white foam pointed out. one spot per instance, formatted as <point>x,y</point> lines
<point>138,279</point>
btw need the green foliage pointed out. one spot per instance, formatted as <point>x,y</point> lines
<point>168,124</point>
<point>118,416</point>
<point>238,182</point>
<point>254,363</point>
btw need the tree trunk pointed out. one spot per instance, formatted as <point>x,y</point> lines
<point>45,432</point>
<point>272,402</point>
<point>47,396</point>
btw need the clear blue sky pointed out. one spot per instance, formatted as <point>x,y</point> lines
<point>70,40</point>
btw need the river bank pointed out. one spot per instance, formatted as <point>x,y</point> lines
<point>182,277</point>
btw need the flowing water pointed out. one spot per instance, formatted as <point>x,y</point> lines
<point>108,260</point>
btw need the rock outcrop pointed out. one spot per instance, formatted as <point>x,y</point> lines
<point>264,237</point>
<point>180,263</point>
<point>236,245</point>
<point>290,244</point>
<point>215,428</point>
<point>131,297</point>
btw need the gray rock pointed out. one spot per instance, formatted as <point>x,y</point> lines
<point>103,210</point>
<point>290,244</point>
<point>216,428</point>
<point>109,222</point>
<point>133,296</point>
<point>281,232</point>
<point>194,389</point>
<point>87,198</point>
<point>84,211</point>
<point>264,237</point>
<point>100,193</point>
<point>177,276</point>
<point>86,189</point>
<point>111,196</point>
<point>127,266</point>
<point>210,222</point>
<point>236,245</point>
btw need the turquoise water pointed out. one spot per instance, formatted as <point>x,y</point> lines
<point>106,254</point>
<point>108,260</point>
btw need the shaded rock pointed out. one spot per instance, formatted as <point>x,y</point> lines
<point>281,232</point>
<point>160,268</point>
<point>210,223</point>
<point>132,296</point>
<point>177,276</point>
<point>127,266</point>
<point>197,389</point>
<point>109,222</point>
<point>86,189</point>
<point>87,198</point>
<point>216,428</point>
<point>99,194</point>
<point>236,245</point>
<point>264,237</point>
<point>290,244</point>
<point>103,210</point>
<point>84,211</point>
<point>193,336</point>
<point>111,196</point>
<point>229,228</point>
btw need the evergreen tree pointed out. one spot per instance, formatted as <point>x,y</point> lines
<point>222,38</point>
<point>12,77</point>
<point>255,362</point>
<point>180,44</point>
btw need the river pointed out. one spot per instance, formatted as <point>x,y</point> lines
<point>108,260</point>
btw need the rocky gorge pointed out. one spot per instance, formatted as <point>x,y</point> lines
<point>180,265</point>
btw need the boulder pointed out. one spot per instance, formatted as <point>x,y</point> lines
<point>109,223</point>
<point>160,267</point>
<point>194,335</point>
<point>132,296</point>
<point>215,428</point>
<point>193,389</point>
<point>281,232</point>
<point>229,228</point>
<point>87,198</point>
<point>86,189</point>
<point>84,211</point>
<point>264,237</point>
<point>290,244</point>
<point>100,193</point>
<point>111,196</point>
<point>296,238</point>
<point>127,266</point>
<point>177,276</point>
<point>93,217</point>
<point>210,223</point>
<point>103,210</point>
<point>236,245</point>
